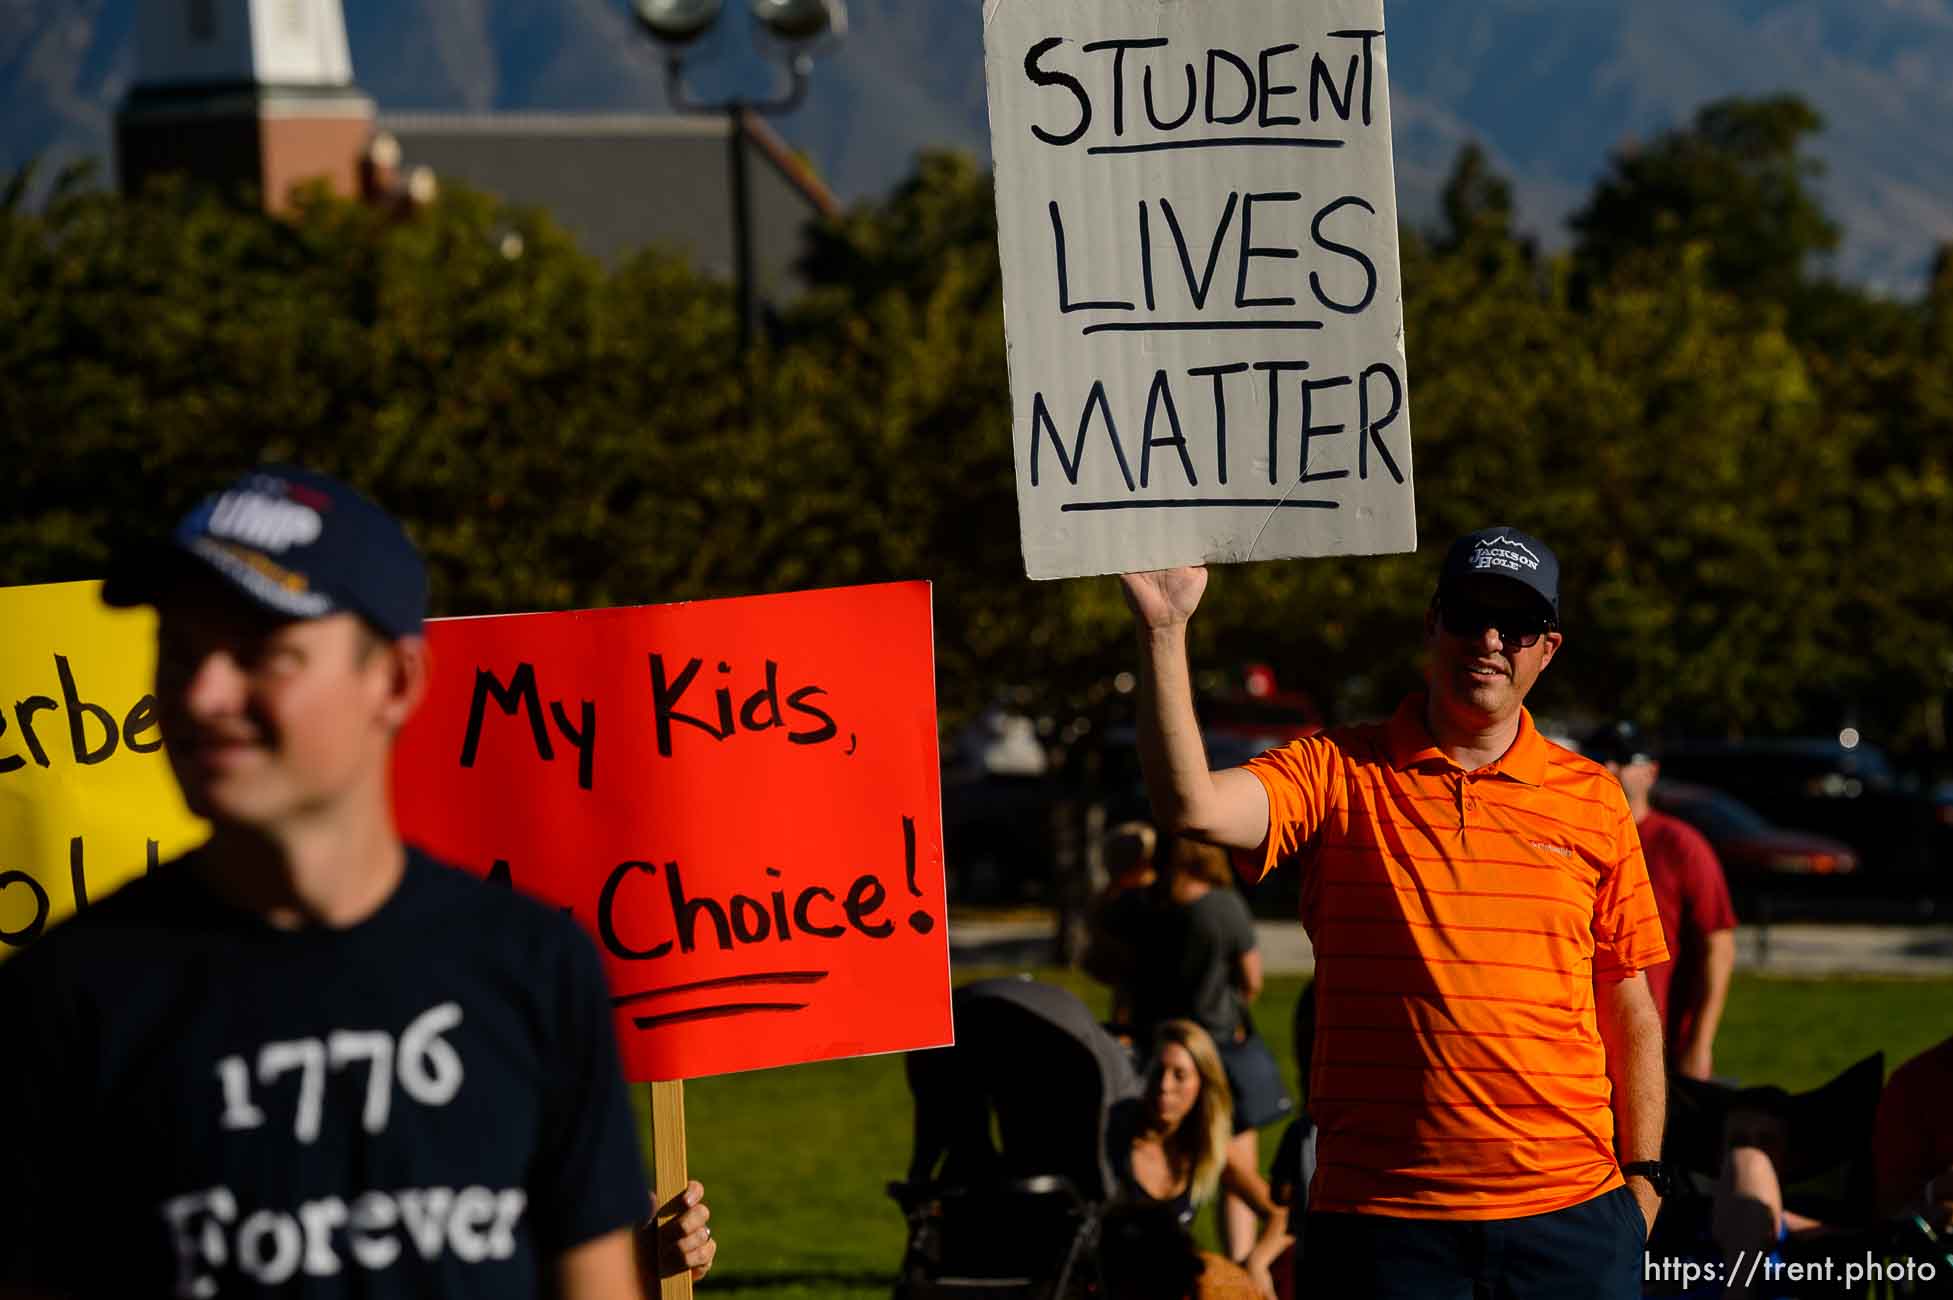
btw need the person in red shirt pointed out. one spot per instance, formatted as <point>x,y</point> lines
<point>1912,1144</point>
<point>1697,919</point>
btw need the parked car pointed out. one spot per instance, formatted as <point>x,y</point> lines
<point>997,838</point>
<point>1022,799</point>
<point>1758,858</point>
<point>1899,832</point>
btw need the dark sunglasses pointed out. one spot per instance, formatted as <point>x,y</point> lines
<point>1518,629</point>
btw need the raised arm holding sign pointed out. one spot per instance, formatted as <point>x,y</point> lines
<point>1488,1068</point>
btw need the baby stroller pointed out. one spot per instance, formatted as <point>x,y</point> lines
<point>1010,1173</point>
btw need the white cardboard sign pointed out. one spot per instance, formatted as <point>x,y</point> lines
<point>1198,221</point>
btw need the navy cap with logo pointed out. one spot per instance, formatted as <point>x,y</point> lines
<point>1504,552</point>
<point>298,543</point>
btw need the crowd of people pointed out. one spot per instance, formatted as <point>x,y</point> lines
<point>1727,1207</point>
<point>1515,956</point>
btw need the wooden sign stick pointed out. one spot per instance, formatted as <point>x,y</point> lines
<point>668,1175</point>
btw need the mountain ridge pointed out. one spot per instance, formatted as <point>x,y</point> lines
<point>1548,89</point>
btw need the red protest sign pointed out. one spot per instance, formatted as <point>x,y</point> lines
<point>739,798</point>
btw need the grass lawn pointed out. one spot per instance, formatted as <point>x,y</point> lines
<point>795,1161</point>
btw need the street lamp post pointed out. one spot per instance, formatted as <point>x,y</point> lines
<point>794,30</point>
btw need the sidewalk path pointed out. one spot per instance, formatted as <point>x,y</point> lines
<point>1797,949</point>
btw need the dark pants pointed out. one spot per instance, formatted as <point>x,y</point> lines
<point>1592,1250</point>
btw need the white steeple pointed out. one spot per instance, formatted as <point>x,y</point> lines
<point>236,93</point>
<point>242,42</point>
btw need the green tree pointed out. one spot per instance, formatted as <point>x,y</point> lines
<point>1889,396</point>
<point>527,414</point>
<point>1734,180</point>
<point>899,354</point>
<point>1476,204</point>
<point>1754,511</point>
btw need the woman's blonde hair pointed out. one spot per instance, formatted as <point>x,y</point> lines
<point>1199,1144</point>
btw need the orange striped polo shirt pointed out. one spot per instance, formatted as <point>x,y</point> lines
<point>1460,920</point>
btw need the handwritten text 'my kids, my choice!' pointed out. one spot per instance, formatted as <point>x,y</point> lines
<point>719,711</point>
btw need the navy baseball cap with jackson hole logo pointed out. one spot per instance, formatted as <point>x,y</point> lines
<point>1504,552</point>
<point>298,543</point>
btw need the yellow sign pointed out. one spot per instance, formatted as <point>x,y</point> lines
<point>87,801</point>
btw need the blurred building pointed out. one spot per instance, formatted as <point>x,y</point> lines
<point>243,92</point>
<point>619,182</point>
<point>261,93</point>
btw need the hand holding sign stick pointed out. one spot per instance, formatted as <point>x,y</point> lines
<point>680,1240</point>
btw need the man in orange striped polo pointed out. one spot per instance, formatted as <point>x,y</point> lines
<point>1488,1064</point>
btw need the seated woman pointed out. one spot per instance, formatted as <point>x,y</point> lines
<point>1170,1145</point>
<point>1193,956</point>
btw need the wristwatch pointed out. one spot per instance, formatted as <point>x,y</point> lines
<point>1655,1172</point>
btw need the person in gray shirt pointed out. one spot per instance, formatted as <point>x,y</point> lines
<point>1197,960</point>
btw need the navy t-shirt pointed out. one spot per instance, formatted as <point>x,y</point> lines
<point>425,1104</point>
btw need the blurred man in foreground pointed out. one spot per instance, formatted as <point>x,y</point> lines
<point>1488,1077</point>
<point>306,1059</point>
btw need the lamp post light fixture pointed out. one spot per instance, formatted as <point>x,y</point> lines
<point>792,31</point>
